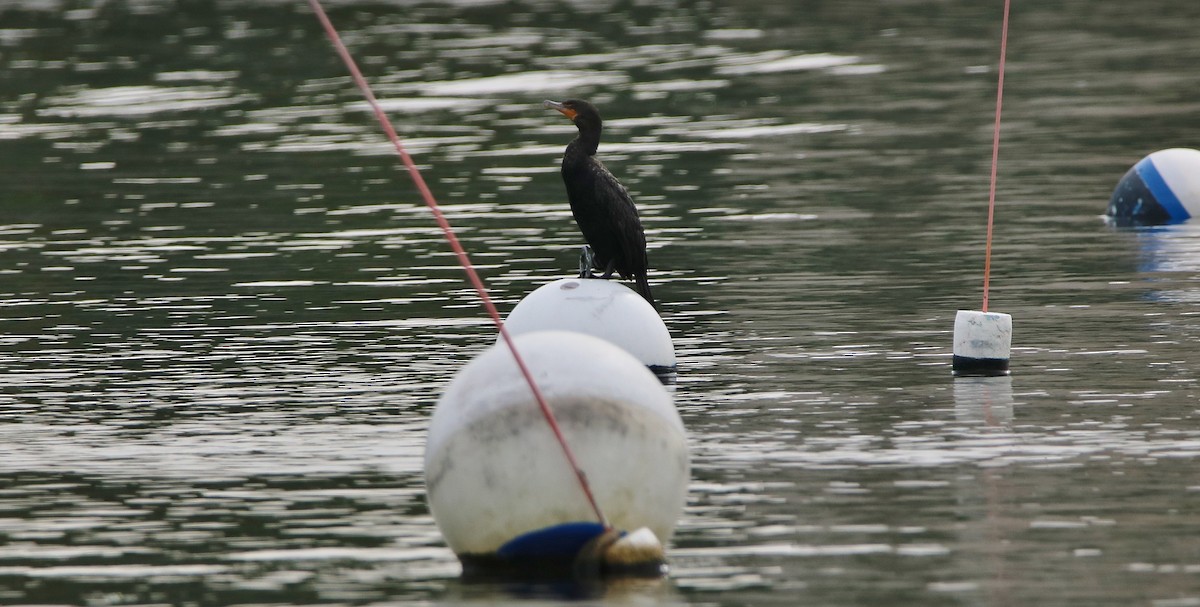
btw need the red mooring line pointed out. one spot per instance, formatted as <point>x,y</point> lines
<point>987,256</point>
<point>448,232</point>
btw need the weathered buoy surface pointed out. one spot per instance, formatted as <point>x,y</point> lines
<point>1161,188</point>
<point>982,341</point>
<point>497,481</point>
<point>601,308</point>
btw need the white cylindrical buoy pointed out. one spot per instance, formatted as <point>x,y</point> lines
<point>498,482</point>
<point>982,341</point>
<point>601,308</point>
<point>1162,188</point>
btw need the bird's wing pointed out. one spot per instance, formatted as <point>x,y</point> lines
<point>627,225</point>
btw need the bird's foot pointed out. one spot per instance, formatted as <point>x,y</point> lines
<point>587,261</point>
<point>608,271</point>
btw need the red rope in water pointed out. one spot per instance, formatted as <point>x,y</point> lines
<point>448,231</point>
<point>987,256</point>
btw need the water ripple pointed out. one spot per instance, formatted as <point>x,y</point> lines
<point>227,315</point>
<point>134,101</point>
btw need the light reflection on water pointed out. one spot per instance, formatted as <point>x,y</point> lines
<point>226,317</point>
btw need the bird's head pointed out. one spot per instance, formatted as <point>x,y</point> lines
<point>580,112</point>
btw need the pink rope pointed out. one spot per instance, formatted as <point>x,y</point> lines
<point>459,252</point>
<point>987,256</point>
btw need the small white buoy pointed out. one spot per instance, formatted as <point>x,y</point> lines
<point>982,341</point>
<point>497,481</point>
<point>601,308</point>
<point>1161,188</point>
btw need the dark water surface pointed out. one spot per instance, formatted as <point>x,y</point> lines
<point>225,316</point>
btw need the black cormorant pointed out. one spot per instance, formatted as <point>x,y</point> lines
<point>602,207</point>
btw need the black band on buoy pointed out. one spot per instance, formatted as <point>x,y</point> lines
<point>965,366</point>
<point>665,374</point>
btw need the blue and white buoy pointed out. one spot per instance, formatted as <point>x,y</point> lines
<point>601,308</point>
<point>1162,188</point>
<point>982,341</point>
<point>498,483</point>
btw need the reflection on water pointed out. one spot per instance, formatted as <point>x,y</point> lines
<point>226,316</point>
<point>985,401</point>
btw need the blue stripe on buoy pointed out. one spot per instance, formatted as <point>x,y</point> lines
<point>1161,191</point>
<point>565,541</point>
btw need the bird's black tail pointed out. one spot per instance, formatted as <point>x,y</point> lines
<point>643,288</point>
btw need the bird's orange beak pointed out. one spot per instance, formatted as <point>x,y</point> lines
<point>564,110</point>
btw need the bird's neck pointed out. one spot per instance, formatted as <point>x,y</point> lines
<point>587,141</point>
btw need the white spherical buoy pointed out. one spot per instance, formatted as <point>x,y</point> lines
<point>1162,188</point>
<point>497,480</point>
<point>601,308</point>
<point>982,341</point>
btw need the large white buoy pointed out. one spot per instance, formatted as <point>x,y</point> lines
<point>497,480</point>
<point>982,341</point>
<point>602,308</point>
<point>1161,188</point>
